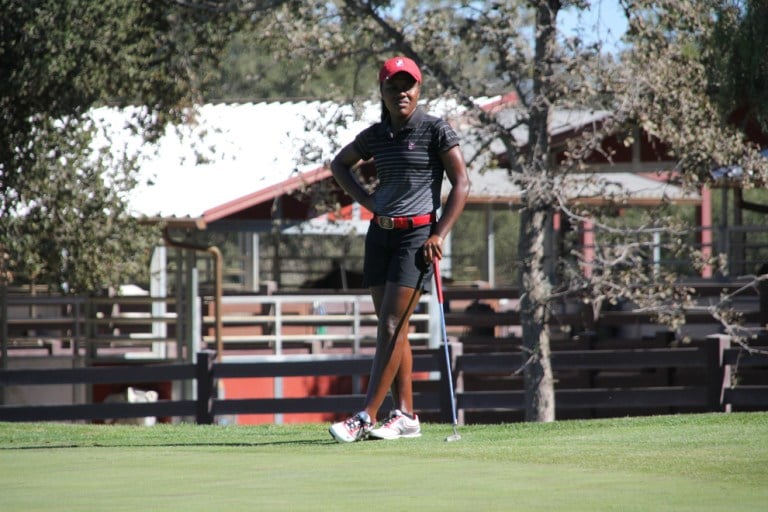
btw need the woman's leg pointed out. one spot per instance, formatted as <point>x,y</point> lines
<point>393,361</point>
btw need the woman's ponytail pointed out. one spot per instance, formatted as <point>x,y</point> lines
<point>384,112</point>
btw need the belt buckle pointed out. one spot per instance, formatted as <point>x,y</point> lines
<point>386,222</point>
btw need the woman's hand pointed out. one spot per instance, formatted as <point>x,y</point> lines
<point>433,248</point>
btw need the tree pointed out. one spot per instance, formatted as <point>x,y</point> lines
<point>249,71</point>
<point>738,69</point>
<point>62,202</point>
<point>658,84</point>
<point>162,55</point>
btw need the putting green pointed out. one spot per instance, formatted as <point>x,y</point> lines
<point>667,463</point>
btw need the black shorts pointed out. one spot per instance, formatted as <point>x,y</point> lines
<point>397,256</point>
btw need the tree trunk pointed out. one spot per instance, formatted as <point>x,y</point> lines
<point>534,316</point>
<point>535,222</point>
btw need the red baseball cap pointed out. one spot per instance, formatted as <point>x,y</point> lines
<point>399,65</point>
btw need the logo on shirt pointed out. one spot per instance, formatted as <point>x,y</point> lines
<point>411,145</point>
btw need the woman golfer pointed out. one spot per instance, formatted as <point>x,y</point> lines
<point>411,151</point>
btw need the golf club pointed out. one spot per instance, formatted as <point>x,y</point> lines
<point>439,291</point>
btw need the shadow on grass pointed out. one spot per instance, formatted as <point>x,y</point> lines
<point>255,444</point>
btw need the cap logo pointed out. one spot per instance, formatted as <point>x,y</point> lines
<point>397,65</point>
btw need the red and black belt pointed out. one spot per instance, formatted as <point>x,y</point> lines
<point>385,222</point>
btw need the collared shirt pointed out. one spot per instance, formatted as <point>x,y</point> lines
<point>407,161</point>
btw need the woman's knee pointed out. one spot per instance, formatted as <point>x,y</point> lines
<point>390,327</point>
<point>395,308</point>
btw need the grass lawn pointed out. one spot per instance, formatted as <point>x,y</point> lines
<point>712,462</point>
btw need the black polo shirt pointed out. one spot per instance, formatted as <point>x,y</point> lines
<point>408,165</point>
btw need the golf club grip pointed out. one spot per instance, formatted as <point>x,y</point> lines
<point>438,281</point>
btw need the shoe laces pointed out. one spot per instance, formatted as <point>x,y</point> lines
<point>393,417</point>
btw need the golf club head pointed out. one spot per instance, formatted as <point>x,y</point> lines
<point>454,437</point>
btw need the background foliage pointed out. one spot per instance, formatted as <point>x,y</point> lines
<point>61,203</point>
<point>59,59</point>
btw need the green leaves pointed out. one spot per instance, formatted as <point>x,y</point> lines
<point>62,203</point>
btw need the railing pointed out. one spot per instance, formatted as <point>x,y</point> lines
<point>599,368</point>
<point>83,325</point>
<point>306,321</point>
<point>36,322</point>
<point>103,375</point>
<point>626,380</point>
<point>130,327</point>
<point>204,373</point>
<point>715,359</point>
<point>151,327</point>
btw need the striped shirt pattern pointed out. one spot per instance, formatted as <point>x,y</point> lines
<point>408,166</point>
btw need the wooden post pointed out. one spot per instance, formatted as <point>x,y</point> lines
<point>457,350</point>
<point>454,350</point>
<point>3,335</point>
<point>706,238</point>
<point>205,387</point>
<point>762,290</point>
<point>719,374</point>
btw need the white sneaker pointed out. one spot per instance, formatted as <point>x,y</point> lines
<point>352,429</point>
<point>397,425</point>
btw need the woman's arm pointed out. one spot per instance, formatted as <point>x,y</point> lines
<point>456,170</point>
<point>341,167</point>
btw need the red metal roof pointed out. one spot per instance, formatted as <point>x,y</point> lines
<point>301,197</point>
<point>261,204</point>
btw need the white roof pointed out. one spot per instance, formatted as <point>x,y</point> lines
<point>231,151</point>
<point>560,121</point>
<point>496,186</point>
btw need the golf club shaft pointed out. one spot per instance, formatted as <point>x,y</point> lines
<point>439,291</point>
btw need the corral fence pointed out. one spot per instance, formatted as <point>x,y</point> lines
<point>204,373</point>
<point>100,328</point>
<point>713,359</point>
<point>618,364</point>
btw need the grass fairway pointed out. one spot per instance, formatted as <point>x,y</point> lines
<point>712,462</point>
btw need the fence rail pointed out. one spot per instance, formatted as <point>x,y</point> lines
<point>204,373</point>
<point>89,326</point>
<point>309,321</point>
<point>715,391</point>
<point>598,369</point>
